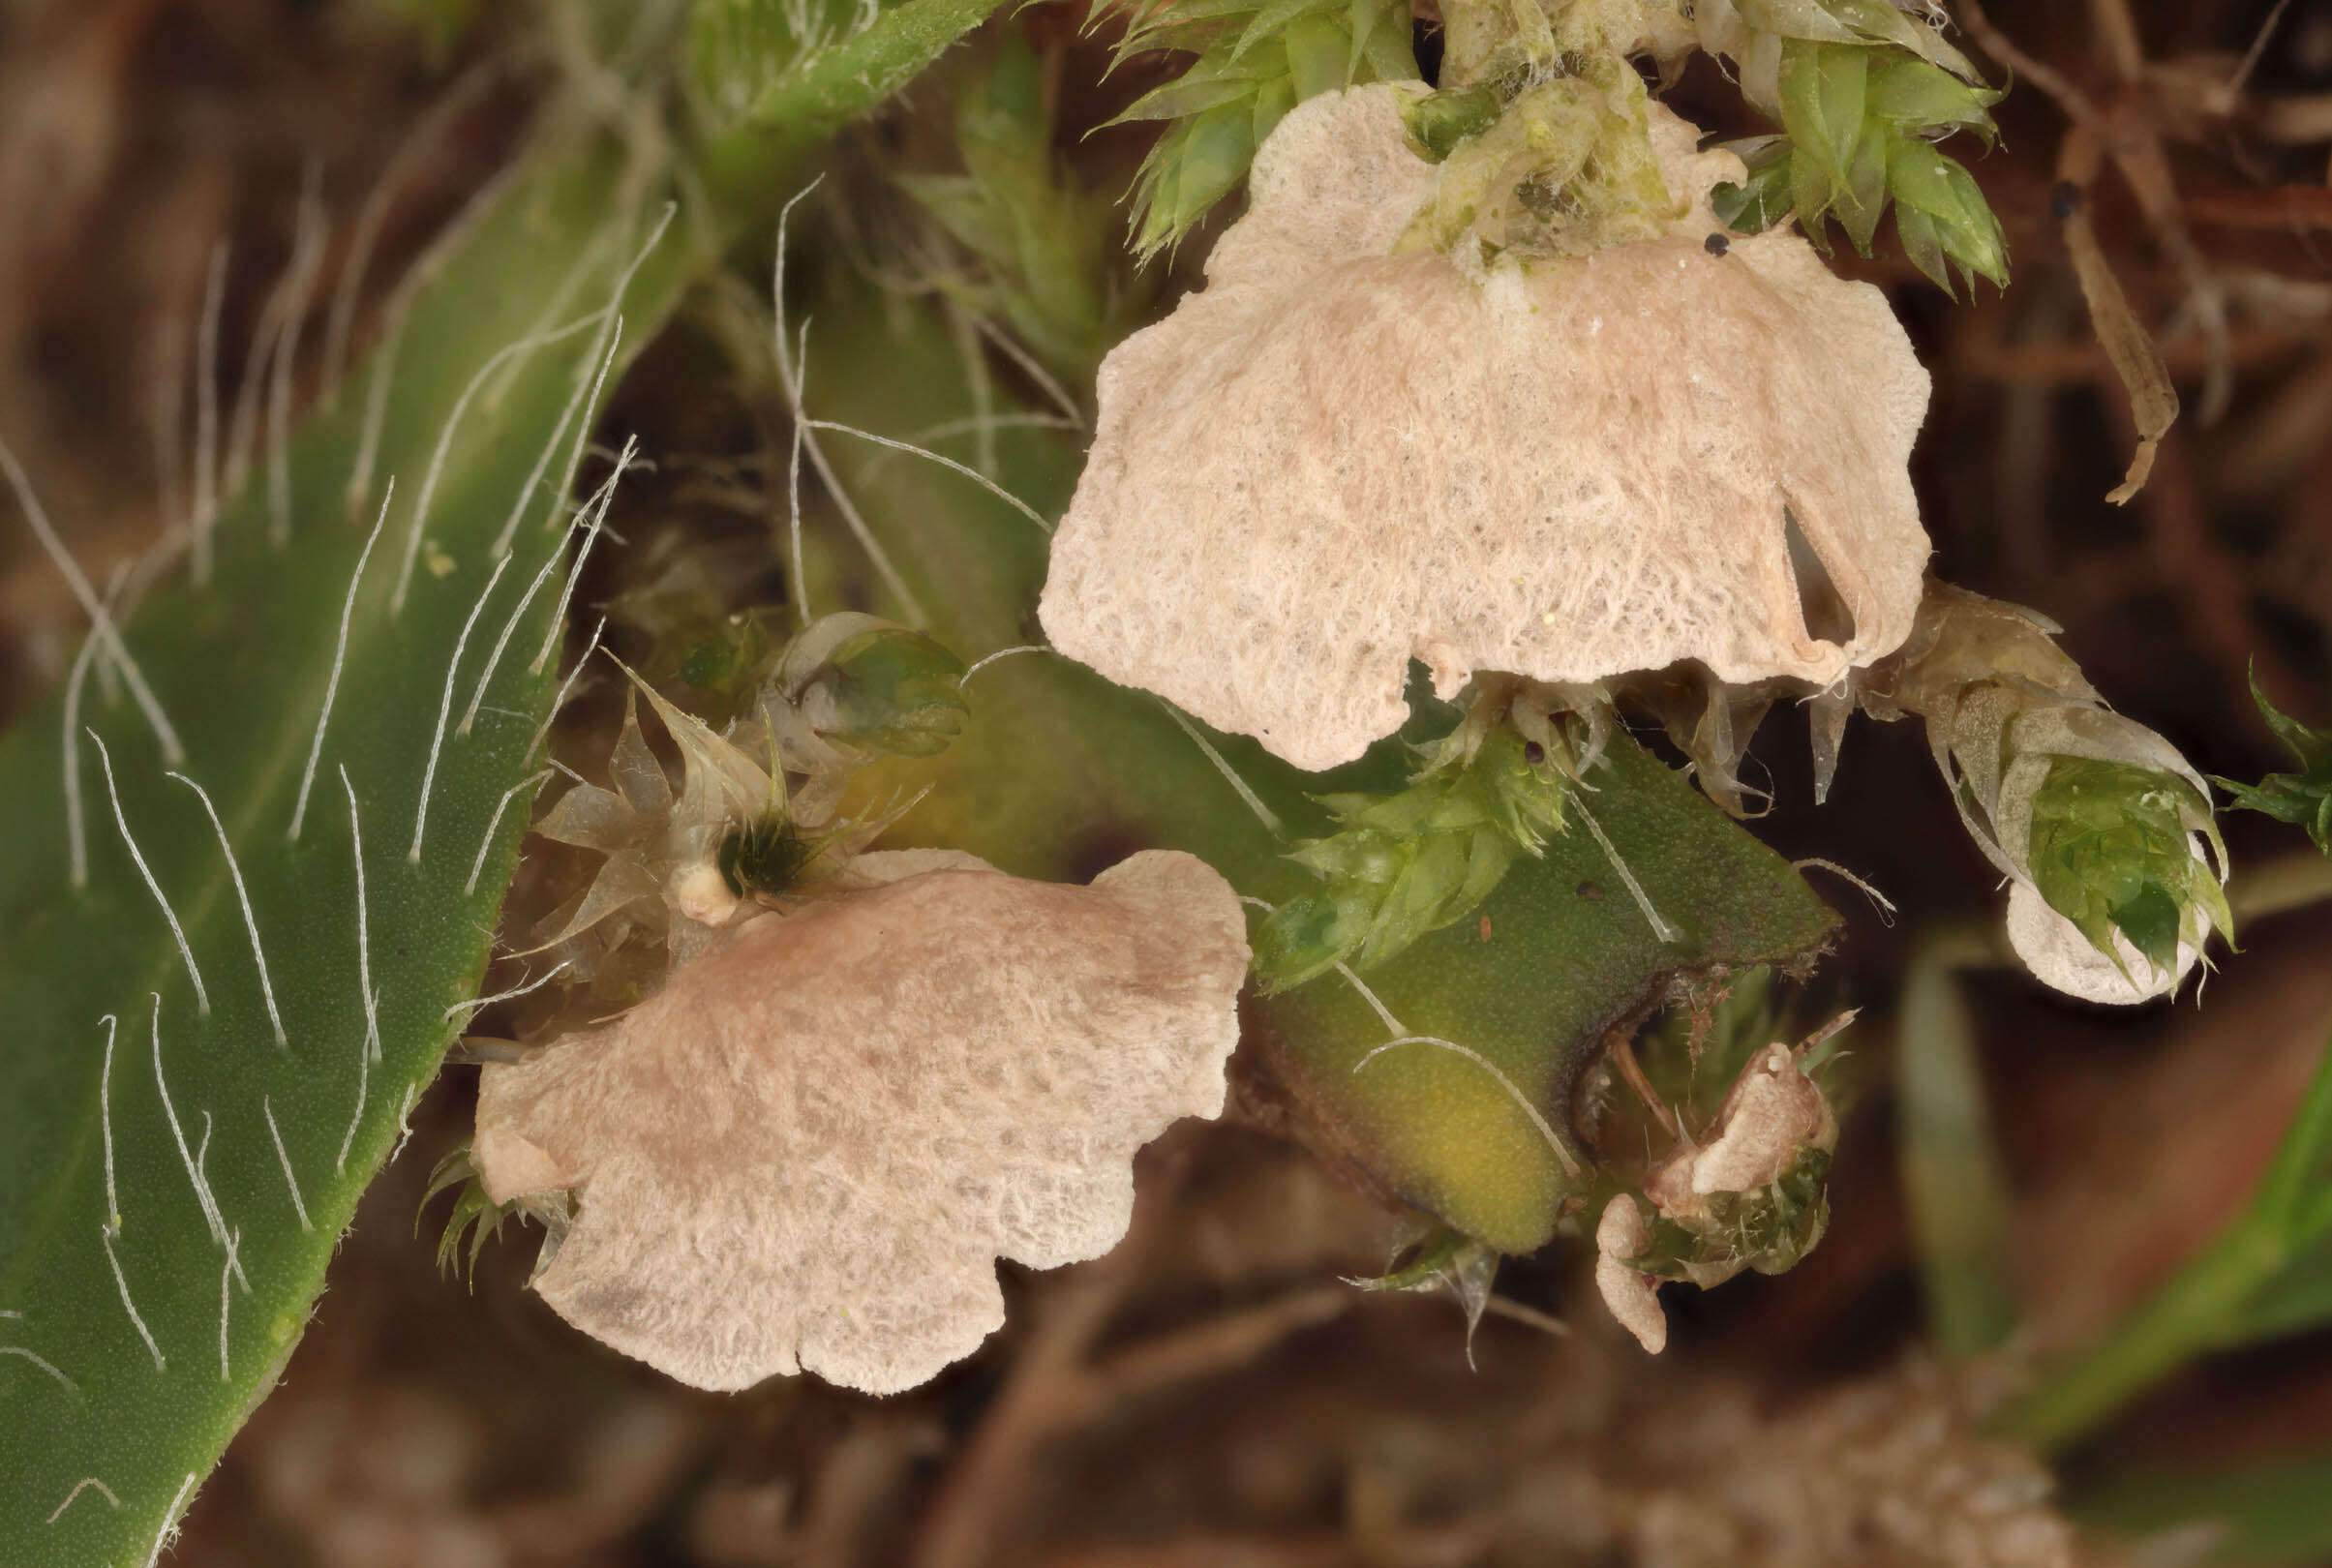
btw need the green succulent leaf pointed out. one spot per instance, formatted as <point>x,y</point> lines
<point>2303,798</point>
<point>217,1030</point>
<point>217,1038</point>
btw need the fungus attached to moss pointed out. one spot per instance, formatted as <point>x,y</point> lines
<point>1353,449</point>
<point>807,1151</point>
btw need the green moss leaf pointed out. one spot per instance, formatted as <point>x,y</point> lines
<point>1263,58</point>
<point>2109,851</point>
<point>1952,212</point>
<point>1764,199</point>
<point>1912,95</point>
<point>2303,798</point>
<point>1821,102</point>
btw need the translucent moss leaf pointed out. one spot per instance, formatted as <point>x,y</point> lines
<point>1438,122</point>
<point>1951,205</point>
<point>1912,95</point>
<point>1764,199</point>
<point>1797,19</point>
<point>1039,241</point>
<point>1862,88</point>
<point>1194,165</point>
<point>1862,199</point>
<point>1401,865</point>
<point>1821,102</point>
<point>2110,851</point>
<point>889,689</point>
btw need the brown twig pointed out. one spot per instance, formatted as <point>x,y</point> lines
<point>1056,1386</point>
<point>1064,1393</point>
<point>2128,135</point>
<point>1420,1546</point>
<point>2078,105</point>
<point>1218,1345</point>
<point>2187,562</point>
<point>1044,1394</point>
<point>1624,1057</point>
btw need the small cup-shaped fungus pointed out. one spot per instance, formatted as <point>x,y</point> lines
<point>1353,448</point>
<point>808,1149</point>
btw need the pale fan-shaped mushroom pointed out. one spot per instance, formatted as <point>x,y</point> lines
<point>1345,453</point>
<point>809,1149</point>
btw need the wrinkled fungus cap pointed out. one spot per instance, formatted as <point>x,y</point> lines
<point>1345,453</point>
<point>808,1149</point>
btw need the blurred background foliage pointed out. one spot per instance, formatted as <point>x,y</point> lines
<point>2074,1225</point>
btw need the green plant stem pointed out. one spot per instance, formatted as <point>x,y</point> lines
<point>2277,887</point>
<point>1953,1185</point>
<point>2199,1308</point>
<point>2182,1319</point>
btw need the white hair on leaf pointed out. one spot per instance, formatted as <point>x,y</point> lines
<point>121,1283</point>
<point>436,735</point>
<point>340,655</point>
<point>184,953</point>
<point>251,921</point>
<point>283,1157</point>
<point>100,620</point>
<point>83,1485</point>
